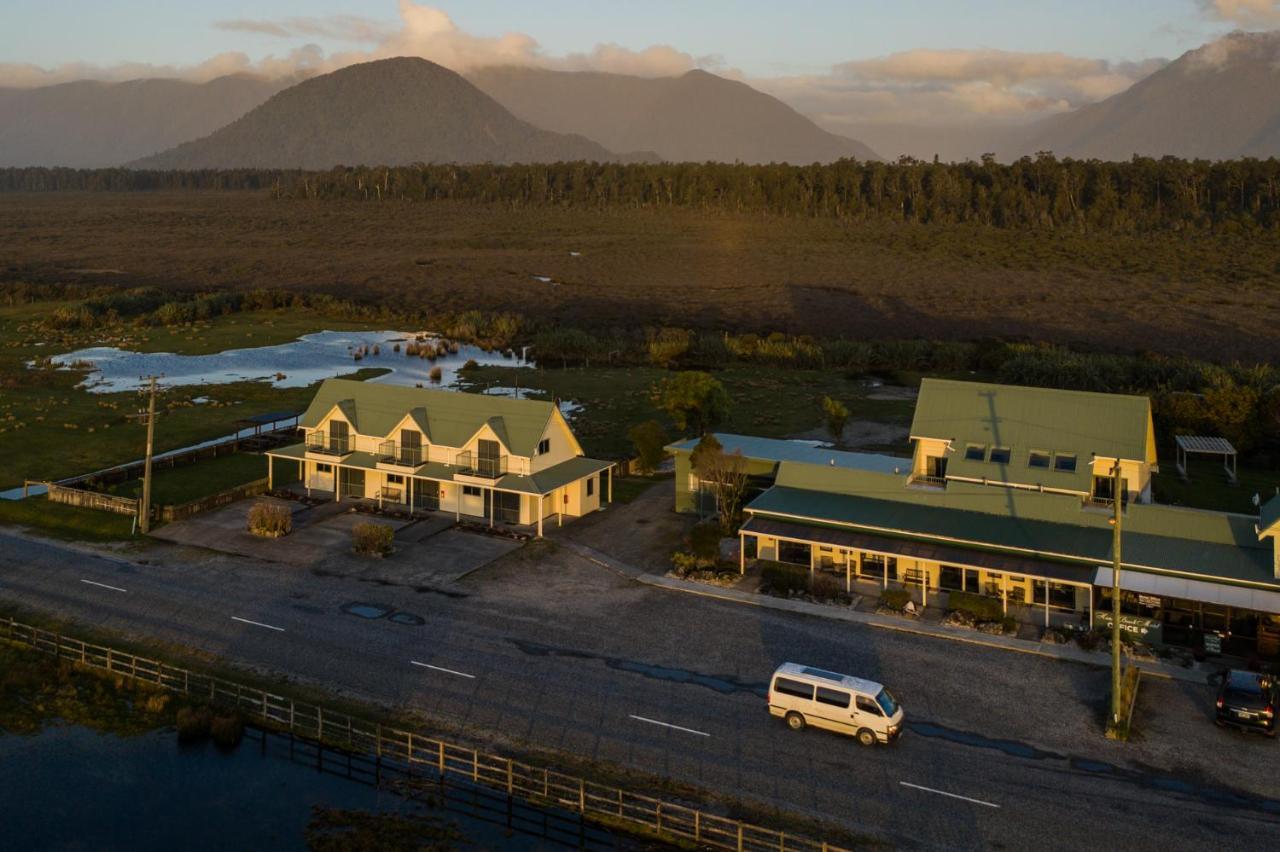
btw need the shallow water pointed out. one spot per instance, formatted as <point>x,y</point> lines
<point>301,362</point>
<point>71,788</point>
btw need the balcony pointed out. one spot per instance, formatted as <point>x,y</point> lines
<point>480,466</point>
<point>926,481</point>
<point>327,444</point>
<point>389,452</point>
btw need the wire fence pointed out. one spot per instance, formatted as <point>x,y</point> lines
<point>534,784</point>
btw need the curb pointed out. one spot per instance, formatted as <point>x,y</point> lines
<point>1151,669</point>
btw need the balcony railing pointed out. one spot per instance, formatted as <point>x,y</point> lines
<point>389,452</point>
<point>930,481</point>
<point>328,444</point>
<point>489,468</point>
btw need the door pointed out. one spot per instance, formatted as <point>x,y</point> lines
<point>488,453</point>
<point>351,482</point>
<point>831,710</point>
<point>867,714</point>
<point>507,507</point>
<point>339,436</point>
<point>426,495</point>
<point>410,447</point>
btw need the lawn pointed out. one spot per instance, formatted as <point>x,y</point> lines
<point>1208,488</point>
<point>770,401</point>
<point>171,486</point>
<point>71,523</point>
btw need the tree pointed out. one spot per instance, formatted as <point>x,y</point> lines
<point>836,415</point>
<point>726,473</point>
<point>650,441</point>
<point>695,401</point>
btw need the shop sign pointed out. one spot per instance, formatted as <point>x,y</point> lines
<point>1152,601</point>
<point>1141,629</point>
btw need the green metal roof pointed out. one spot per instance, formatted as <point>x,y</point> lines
<point>1024,419</point>
<point>776,450</point>
<point>448,418</point>
<point>976,519</point>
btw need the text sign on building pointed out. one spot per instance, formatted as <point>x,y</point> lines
<point>1141,629</point>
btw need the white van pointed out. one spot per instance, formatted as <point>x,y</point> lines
<point>848,705</point>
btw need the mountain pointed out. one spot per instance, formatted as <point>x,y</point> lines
<point>1220,101</point>
<point>89,124</point>
<point>389,112</point>
<point>691,118</point>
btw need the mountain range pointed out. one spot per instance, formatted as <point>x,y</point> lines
<point>695,117</point>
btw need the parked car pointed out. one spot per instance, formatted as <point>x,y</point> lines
<point>805,696</point>
<point>1248,701</point>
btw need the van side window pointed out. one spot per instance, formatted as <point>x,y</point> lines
<point>793,687</point>
<point>867,705</point>
<point>834,697</point>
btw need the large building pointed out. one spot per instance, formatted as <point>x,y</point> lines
<point>1009,494</point>
<point>480,457</point>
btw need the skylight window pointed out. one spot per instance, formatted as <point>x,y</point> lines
<point>1064,463</point>
<point>975,452</point>
<point>1039,459</point>
<point>1000,455</point>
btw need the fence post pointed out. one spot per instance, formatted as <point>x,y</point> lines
<point>510,779</point>
<point>739,836</point>
<point>440,755</point>
<point>697,827</point>
<point>108,658</point>
<point>546,784</point>
<point>292,714</point>
<point>186,681</point>
<point>582,795</point>
<point>475,765</point>
<point>658,817</point>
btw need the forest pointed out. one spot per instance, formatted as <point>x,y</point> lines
<point>1042,192</point>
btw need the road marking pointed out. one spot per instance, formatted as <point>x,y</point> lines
<point>440,669</point>
<point>256,623</point>
<point>949,795</point>
<point>669,725</point>
<point>105,586</point>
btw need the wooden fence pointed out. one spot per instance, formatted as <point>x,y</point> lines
<point>179,511</point>
<point>93,499</point>
<point>537,785</point>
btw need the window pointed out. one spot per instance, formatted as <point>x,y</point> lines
<point>1104,490</point>
<point>954,579</point>
<point>544,447</point>
<point>874,565</point>
<point>472,491</point>
<point>1064,463</point>
<point>834,697</point>
<point>887,702</point>
<point>793,687</point>
<point>324,468</point>
<point>395,479</point>
<point>794,553</point>
<point>1060,594</point>
<point>1000,455</point>
<point>935,467</point>
<point>975,452</point>
<point>866,705</point>
<point>1039,460</point>
<point>591,486</point>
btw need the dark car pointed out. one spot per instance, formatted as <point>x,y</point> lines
<point>1248,701</point>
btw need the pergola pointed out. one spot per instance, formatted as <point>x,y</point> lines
<point>1201,445</point>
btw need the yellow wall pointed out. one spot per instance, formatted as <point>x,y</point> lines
<point>563,445</point>
<point>926,447</point>
<point>1137,476</point>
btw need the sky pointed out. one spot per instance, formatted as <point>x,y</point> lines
<point>844,62</point>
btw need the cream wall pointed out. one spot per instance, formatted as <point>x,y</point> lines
<point>925,448</point>
<point>1137,476</point>
<point>564,445</point>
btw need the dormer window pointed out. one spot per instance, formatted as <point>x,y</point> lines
<point>1001,455</point>
<point>975,452</point>
<point>544,447</point>
<point>1039,459</point>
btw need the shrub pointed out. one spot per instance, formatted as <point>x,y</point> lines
<point>782,580</point>
<point>470,365</point>
<point>369,539</point>
<point>227,729</point>
<point>704,541</point>
<point>981,608</point>
<point>684,562</point>
<point>895,599</point>
<point>824,587</point>
<point>270,519</point>
<point>193,724</point>
<point>649,440</point>
<point>435,375</point>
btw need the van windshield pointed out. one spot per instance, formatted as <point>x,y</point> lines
<point>887,702</point>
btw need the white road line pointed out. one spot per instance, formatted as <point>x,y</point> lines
<point>669,725</point>
<point>949,795</point>
<point>105,586</point>
<point>446,671</point>
<point>256,623</point>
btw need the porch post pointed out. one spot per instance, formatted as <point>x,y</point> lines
<point>337,483</point>
<point>1091,607</point>
<point>848,576</point>
<point>742,553</point>
<point>270,470</point>
<point>1046,604</point>
<point>924,585</point>
<point>408,483</point>
<point>541,504</point>
<point>490,507</point>
<point>610,472</point>
<point>1004,593</point>
<point>812,558</point>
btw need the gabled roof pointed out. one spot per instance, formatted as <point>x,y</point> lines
<point>448,418</point>
<point>1023,419</point>
<point>777,450</point>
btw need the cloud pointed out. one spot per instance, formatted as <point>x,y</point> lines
<point>352,28</point>
<point>941,87</point>
<point>1250,14</point>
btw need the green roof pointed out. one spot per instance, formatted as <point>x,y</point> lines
<point>1024,419</point>
<point>778,450</point>
<point>447,418</point>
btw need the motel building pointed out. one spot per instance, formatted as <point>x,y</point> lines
<point>486,459</point>
<point>1009,494</point>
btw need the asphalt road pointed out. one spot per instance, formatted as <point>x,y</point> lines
<point>1002,750</point>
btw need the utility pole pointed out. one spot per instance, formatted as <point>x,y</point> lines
<point>1115,593</point>
<point>144,510</point>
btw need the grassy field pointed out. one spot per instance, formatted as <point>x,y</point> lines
<point>1207,486</point>
<point>50,429</point>
<point>768,401</point>
<point>170,486</point>
<point>69,523</point>
<point>1208,295</point>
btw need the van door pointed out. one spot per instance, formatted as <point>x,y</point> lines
<point>869,715</point>
<point>831,710</point>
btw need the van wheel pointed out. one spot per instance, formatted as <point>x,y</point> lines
<point>866,737</point>
<point>795,721</point>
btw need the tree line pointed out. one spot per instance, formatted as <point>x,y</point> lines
<point>1035,192</point>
